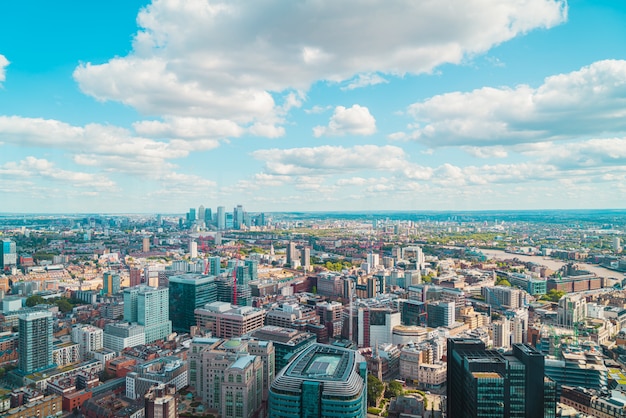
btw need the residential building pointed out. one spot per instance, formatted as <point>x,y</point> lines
<point>227,321</point>
<point>35,342</point>
<point>89,339</point>
<point>121,335</point>
<point>110,283</point>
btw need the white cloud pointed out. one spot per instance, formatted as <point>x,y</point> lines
<point>333,159</point>
<point>364,80</point>
<point>226,60</point>
<point>4,63</point>
<point>32,167</point>
<point>355,120</point>
<point>99,145</point>
<point>583,103</point>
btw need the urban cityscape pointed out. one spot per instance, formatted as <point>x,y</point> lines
<point>313,209</point>
<point>228,313</point>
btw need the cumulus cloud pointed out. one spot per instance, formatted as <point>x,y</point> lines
<point>32,167</point>
<point>329,159</point>
<point>101,145</point>
<point>584,103</point>
<point>355,120</point>
<point>226,60</point>
<point>364,80</point>
<point>4,63</point>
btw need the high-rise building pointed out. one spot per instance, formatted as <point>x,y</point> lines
<point>118,336</point>
<point>8,254</point>
<point>292,254</point>
<point>135,276</point>
<point>145,244</point>
<point>35,341</point>
<point>375,325</point>
<point>215,265</point>
<point>502,333</point>
<point>440,314</point>
<point>89,339</point>
<point>187,293</point>
<point>208,216</point>
<point>305,258</point>
<point>231,376</point>
<point>322,381</point>
<point>238,216</point>
<point>193,249</point>
<point>201,213</point>
<point>487,383</point>
<point>287,342</point>
<point>110,283</point>
<point>191,216</point>
<point>161,401</point>
<point>149,307</point>
<point>221,218</point>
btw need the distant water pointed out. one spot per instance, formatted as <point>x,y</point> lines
<point>551,263</point>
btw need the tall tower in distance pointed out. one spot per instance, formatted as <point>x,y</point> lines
<point>35,341</point>
<point>110,283</point>
<point>221,218</point>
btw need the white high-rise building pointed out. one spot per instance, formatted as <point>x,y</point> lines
<point>193,249</point>
<point>373,260</point>
<point>149,307</point>
<point>502,334</point>
<point>572,309</point>
<point>89,339</point>
<point>617,244</point>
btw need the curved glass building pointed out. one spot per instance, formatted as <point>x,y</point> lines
<point>322,381</point>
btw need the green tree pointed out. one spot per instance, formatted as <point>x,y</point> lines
<point>64,305</point>
<point>375,389</point>
<point>34,300</point>
<point>503,282</point>
<point>394,389</point>
<point>553,295</point>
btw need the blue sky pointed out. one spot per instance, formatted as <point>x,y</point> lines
<point>136,106</point>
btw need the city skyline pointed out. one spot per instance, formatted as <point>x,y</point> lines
<point>153,107</point>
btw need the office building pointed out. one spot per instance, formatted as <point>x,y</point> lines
<point>215,265</point>
<point>572,310</point>
<point>221,218</point>
<point>231,376</point>
<point>224,320</point>
<point>35,341</point>
<point>238,216</point>
<point>187,293</point>
<point>145,244</point>
<point>110,283</point>
<point>487,383</point>
<point>208,216</point>
<point>292,254</point>
<point>440,314</point>
<point>375,325</point>
<point>122,335</point>
<point>322,381</point>
<point>89,339</point>
<point>161,401</point>
<point>8,254</point>
<point>193,249</point>
<point>287,342</point>
<point>149,307</point>
<point>164,370</point>
<point>305,258</point>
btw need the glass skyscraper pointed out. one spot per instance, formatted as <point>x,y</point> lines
<point>149,307</point>
<point>188,292</point>
<point>487,383</point>
<point>8,254</point>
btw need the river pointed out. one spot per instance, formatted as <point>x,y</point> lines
<point>552,263</point>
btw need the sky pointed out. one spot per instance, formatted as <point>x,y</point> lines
<point>123,106</point>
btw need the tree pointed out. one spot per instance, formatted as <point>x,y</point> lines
<point>34,300</point>
<point>64,305</point>
<point>394,389</point>
<point>553,295</point>
<point>503,282</point>
<point>375,389</point>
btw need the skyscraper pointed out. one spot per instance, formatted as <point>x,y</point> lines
<point>8,254</point>
<point>486,383</point>
<point>221,218</point>
<point>35,341</point>
<point>149,307</point>
<point>208,216</point>
<point>188,292</point>
<point>215,265</point>
<point>238,217</point>
<point>193,249</point>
